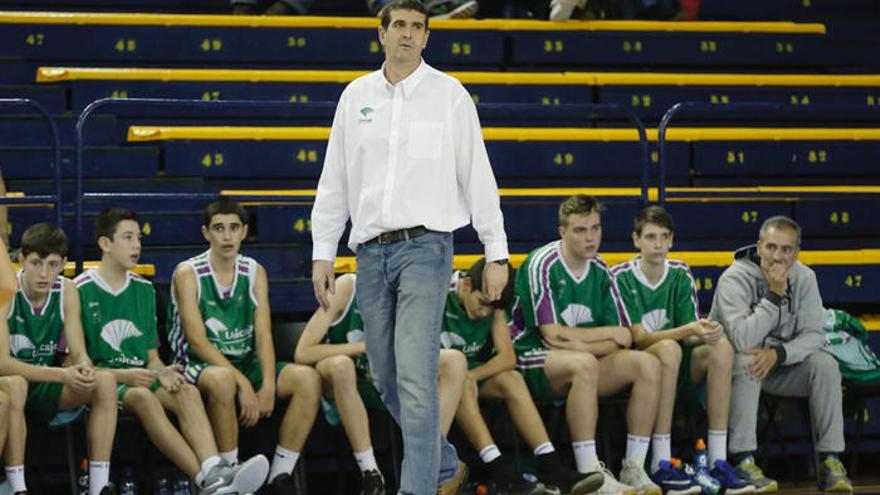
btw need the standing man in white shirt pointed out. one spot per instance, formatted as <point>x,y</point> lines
<point>407,163</point>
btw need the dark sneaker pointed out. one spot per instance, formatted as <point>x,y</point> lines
<point>507,481</point>
<point>832,476</point>
<point>373,484</point>
<point>552,472</point>
<point>108,490</point>
<point>226,479</point>
<point>673,481</point>
<point>749,472</point>
<point>282,485</point>
<point>731,484</point>
<point>452,9</point>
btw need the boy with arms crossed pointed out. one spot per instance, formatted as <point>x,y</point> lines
<point>45,305</point>
<point>119,319</point>
<point>219,325</point>
<point>661,300</point>
<point>570,336</point>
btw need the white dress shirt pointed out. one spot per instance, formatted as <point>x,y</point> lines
<point>405,155</point>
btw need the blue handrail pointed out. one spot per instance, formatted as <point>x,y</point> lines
<point>55,143</point>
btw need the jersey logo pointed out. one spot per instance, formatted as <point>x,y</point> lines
<point>655,320</point>
<point>20,343</point>
<point>355,336</point>
<point>117,331</point>
<point>450,339</point>
<point>215,326</point>
<point>575,314</point>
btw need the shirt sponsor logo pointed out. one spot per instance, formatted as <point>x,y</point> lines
<point>118,331</point>
<point>365,114</point>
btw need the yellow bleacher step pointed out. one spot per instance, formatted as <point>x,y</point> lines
<point>104,19</point>
<point>58,74</point>
<point>677,134</point>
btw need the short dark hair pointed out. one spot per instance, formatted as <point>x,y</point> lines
<point>780,222</point>
<point>654,214</point>
<point>475,273</point>
<point>44,239</point>
<point>108,220</point>
<point>580,204</point>
<point>416,5</point>
<point>225,206</point>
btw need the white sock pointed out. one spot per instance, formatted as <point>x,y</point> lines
<point>283,462</point>
<point>585,455</point>
<point>15,477</point>
<point>207,465</point>
<point>544,448</point>
<point>231,456</point>
<point>717,446</point>
<point>366,460</point>
<point>661,449</point>
<point>490,453</point>
<point>99,476</point>
<point>637,447</point>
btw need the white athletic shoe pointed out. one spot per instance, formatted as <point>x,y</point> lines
<point>561,10</point>
<point>611,486</point>
<point>225,479</point>
<point>632,472</point>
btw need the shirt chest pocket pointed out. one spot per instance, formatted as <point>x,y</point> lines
<point>425,140</point>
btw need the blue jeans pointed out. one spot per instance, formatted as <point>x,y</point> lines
<point>401,293</point>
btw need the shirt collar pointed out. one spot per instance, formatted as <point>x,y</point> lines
<point>410,82</point>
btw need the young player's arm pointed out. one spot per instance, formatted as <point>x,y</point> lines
<point>310,349</point>
<point>73,330</point>
<point>644,339</point>
<point>616,336</point>
<point>264,344</point>
<point>504,358</point>
<point>169,376</point>
<point>9,365</point>
<point>8,282</point>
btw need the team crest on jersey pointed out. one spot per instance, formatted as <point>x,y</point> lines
<point>116,332</point>
<point>449,340</point>
<point>355,336</point>
<point>20,343</point>
<point>215,326</point>
<point>576,314</point>
<point>655,320</point>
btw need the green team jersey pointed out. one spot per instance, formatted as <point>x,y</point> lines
<point>119,326</point>
<point>35,333</point>
<point>460,332</point>
<point>228,312</point>
<point>349,328</point>
<point>547,293</point>
<point>669,304</point>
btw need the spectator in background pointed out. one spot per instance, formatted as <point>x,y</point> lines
<point>437,9</point>
<point>280,7</point>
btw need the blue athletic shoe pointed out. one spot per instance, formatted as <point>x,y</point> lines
<point>674,482</point>
<point>731,484</point>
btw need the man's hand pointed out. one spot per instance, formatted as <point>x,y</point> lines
<point>138,377</point>
<point>763,362</point>
<point>249,405</point>
<point>777,277</point>
<point>494,280</point>
<point>266,400</point>
<point>170,378</point>
<point>79,378</point>
<point>324,281</point>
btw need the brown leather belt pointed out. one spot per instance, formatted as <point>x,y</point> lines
<point>399,235</point>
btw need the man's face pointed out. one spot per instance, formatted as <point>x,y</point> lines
<point>225,234</point>
<point>654,243</point>
<point>778,247</point>
<point>125,246</point>
<point>582,235</point>
<point>475,303</point>
<point>405,37</point>
<point>40,273</point>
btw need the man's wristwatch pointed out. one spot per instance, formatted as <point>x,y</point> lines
<point>501,262</point>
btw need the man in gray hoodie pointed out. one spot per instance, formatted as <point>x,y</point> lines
<point>770,307</point>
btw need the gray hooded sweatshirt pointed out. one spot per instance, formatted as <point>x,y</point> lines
<point>753,317</point>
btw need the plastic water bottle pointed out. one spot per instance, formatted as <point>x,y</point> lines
<point>128,486</point>
<point>709,485</point>
<point>82,482</point>
<point>162,487</point>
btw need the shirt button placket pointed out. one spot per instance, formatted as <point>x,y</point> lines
<point>393,153</point>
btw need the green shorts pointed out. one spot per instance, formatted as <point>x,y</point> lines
<point>122,389</point>
<point>687,390</point>
<point>530,365</point>
<point>42,400</point>
<point>250,368</point>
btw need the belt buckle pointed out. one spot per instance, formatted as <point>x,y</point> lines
<point>385,238</point>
